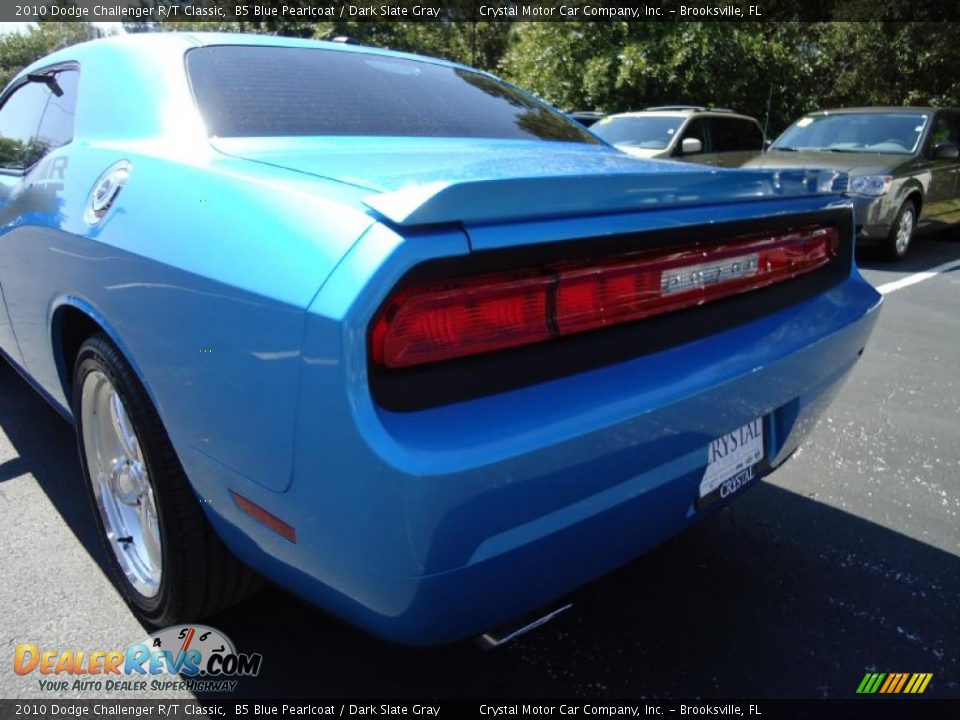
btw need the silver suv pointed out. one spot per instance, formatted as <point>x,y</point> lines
<point>694,134</point>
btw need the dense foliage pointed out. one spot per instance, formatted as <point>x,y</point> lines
<point>19,49</point>
<point>778,68</point>
<point>792,67</point>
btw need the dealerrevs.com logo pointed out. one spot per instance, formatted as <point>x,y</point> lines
<point>204,659</point>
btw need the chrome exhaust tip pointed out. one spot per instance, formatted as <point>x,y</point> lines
<point>511,631</point>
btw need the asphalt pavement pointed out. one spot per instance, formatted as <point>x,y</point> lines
<point>845,561</point>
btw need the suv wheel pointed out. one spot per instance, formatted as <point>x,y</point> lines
<point>901,232</point>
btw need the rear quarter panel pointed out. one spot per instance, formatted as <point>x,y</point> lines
<point>201,273</point>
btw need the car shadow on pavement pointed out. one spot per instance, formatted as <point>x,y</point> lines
<point>45,447</point>
<point>779,595</point>
<point>928,250</point>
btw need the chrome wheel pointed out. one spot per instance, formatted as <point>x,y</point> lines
<point>904,231</point>
<point>121,484</point>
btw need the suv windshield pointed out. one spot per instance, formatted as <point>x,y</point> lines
<point>648,133</point>
<point>256,91</point>
<point>895,133</point>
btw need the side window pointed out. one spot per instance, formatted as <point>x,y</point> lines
<point>954,119</point>
<point>34,120</point>
<point>751,137</point>
<point>725,134</point>
<point>696,128</point>
<point>941,131</point>
<point>56,125</point>
<point>19,119</point>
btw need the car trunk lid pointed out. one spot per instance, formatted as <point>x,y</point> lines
<point>428,181</point>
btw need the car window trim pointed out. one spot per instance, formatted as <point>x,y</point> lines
<point>43,115</point>
<point>7,94</point>
<point>707,135</point>
<point>925,145</point>
<point>24,79</point>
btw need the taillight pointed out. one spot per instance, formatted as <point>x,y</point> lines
<point>456,318</point>
<point>451,319</point>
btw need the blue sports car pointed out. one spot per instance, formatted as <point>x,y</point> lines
<point>392,332</point>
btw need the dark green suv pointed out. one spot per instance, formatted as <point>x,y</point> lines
<point>904,164</point>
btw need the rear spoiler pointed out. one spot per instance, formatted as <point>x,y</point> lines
<point>539,197</point>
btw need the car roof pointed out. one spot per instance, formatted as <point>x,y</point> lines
<point>880,108</point>
<point>684,113</point>
<point>156,100</point>
<point>144,46</point>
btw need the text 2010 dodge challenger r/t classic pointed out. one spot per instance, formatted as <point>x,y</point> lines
<point>392,332</point>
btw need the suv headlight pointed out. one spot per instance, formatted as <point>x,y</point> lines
<point>873,185</point>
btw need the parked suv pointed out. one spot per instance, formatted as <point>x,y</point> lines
<point>710,136</point>
<point>904,165</point>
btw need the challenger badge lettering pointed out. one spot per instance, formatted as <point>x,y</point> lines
<point>711,273</point>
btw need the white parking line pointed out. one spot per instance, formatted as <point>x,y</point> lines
<point>909,280</point>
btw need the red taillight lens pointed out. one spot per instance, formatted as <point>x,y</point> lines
<point>451,319</point>
<point>445,320</point>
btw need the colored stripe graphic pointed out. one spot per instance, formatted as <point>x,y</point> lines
<point>894,683</point>
<point>903,679</point>
<point>889,683</point>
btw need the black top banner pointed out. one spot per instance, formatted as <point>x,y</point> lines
<point>222,11</point>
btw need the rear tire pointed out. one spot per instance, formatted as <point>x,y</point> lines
<point>166,559</point>
<point>901,232</point>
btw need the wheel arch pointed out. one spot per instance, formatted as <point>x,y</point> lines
<point>72,321</point>
<point>914,193</point>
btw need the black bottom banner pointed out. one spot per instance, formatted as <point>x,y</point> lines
<point>456,709</point>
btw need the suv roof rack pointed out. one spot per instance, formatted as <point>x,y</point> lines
<point>691,108</point>
<point>695,108</point>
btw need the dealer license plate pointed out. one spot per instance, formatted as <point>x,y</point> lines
<point>731,463</point>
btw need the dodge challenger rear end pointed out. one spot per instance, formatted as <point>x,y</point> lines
<point>399,336</point>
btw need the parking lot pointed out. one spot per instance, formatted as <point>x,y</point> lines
<point>845,561</point>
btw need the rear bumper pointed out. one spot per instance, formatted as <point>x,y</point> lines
<point>429,526</point>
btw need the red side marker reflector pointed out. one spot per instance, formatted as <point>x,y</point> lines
<point>456,318</point>
<point>265,517</point>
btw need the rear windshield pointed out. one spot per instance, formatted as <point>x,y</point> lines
<point>254,91</point>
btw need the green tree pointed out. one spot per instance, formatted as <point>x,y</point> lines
<point>456,36</point>
<point>17,50</point>
<point>787,67</point>
<point>627,66</point>
<point>888,63</point>
<point>776,67</point>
